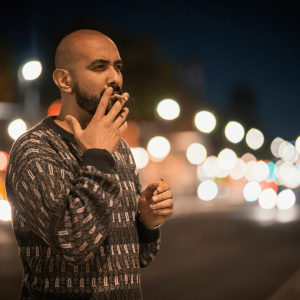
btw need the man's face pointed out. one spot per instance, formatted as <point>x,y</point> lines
<point>98,67</point>
<point>89,102</point>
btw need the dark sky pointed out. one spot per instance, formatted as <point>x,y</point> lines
<point>255,43</point>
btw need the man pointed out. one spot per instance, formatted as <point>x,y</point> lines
<point>83,226</point>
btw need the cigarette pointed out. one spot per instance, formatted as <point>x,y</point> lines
<point>119,96</point>
<point>162,180</point>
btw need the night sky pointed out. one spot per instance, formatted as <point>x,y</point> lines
<point>254,43</point>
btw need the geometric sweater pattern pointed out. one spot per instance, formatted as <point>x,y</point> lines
<point>74,216</point>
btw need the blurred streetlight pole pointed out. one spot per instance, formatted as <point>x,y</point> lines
<point>29,93</point>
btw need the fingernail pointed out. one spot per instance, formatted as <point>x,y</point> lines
<point>153,205</point>
<point>155,198</point>
<point>109,89</point>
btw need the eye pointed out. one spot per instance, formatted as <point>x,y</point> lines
<point>99,67</point>
<point>119,67</point>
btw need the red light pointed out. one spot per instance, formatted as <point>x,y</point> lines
<point>3,160</point>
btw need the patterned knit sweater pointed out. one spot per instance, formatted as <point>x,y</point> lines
<point>74,217</point>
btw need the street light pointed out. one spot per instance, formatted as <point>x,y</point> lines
<point>32,70</point>
<point>29,94</point>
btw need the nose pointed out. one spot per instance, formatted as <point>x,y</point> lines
<point>113,77</point>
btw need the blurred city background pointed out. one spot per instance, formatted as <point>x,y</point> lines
<point>215,111</point>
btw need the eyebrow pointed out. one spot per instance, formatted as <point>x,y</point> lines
<point>104,61</point>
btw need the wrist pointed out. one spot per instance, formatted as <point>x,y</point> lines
<point>148,227</point>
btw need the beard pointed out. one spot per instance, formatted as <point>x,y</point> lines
<point>89,102</point>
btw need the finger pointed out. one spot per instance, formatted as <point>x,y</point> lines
<point>161,197</point>
<point>123,127</point>
<point>164,187</point>
<point>116,109</point>
<point>163,204</point>
<point>167,212</point>
<point>74,124</point>
<point>120,119</point>
<point>152,187</point>
<point>100,112</point>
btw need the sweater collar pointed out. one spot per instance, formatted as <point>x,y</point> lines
<point>64,133</point>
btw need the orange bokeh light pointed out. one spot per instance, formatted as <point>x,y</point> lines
<point>54,108</point>
<point>131,135</point>
<point>269,185</point>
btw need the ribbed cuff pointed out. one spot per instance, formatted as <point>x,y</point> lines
<point>101,159</point>
<point>146,235</point>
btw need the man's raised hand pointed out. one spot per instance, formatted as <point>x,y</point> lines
<point>103,131</point>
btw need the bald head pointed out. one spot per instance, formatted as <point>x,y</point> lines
<point>72,46</point>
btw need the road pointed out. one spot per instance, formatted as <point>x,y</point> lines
<point>213,255</point>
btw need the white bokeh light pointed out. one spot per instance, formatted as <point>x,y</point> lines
<point>252,191</point>
<point>196,153</point>
<point>248,170</point>
<point>159,147</point>
<point>234,132</point>
<point>168,109</point>
<point>141,157</point>
<point>286,199</point>
<point>275,146</point>
<point>16,128</point>
<point>5,211</point>
<point>267,199</point>
<point>297,144</point>
<point>218,171</point>
<point>208,166</point>
<point>260,171</point>
<point>237,172</point>
<point>227,159</point>
<point>254,138</point>
<point>207,190</point>
<point>205,121</point>
<point>32,70</point>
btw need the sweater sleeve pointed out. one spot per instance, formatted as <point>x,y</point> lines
<point>149,240</point>
<point>70,214</point>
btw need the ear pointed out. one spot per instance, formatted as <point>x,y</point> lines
<point>63,80</point>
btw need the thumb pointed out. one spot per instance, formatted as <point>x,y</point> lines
<point>152,187</point>
<point>73,123</point>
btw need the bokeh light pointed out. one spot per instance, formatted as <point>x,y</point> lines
<point>207,190</point>
<point>227,159</point>
<point>54,108</point>
<point>223,189</point>
<point>201,176</point>
<point>196,153</point>
<point>267,199</point>
<point>219,171</point>
<point>237,172</point>
<point>205,121</point>
<point>273,171</point>
<point>254,138</point>
<point>286,199</point>
<point>208,166</point>
<point>32,70</point>
<point>5,211</point>
<point>275,146</point>
<point>260,171</point>
<point>168,109</point>
<point>234,132</point>
<point>159,147</point>
<point>3,160</point>
<point>248,170</point>
<point>252,191</point>
<point>141,157</point>
<point>248,157</point>
<point>297,144</point>
<point>16,128</point>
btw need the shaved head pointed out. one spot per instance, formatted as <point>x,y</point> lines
<point>70,48</point>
